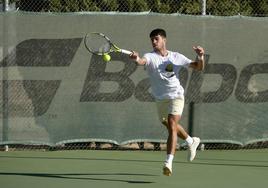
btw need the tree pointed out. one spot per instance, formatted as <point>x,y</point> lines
<point>214,7</point>
<point>190,7</point>
<point>245,7</point>
<point>107,5</point>
<point>260,7</point>
<point>223,7</point>
<point>139,6</point>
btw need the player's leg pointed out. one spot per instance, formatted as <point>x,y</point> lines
<point>172,128</point>
<point>192,142</point>
<point>177,106</point>
<point>162,108</point>
<point>181,132</point>
<point>169,112</point>
<point>171,143</point>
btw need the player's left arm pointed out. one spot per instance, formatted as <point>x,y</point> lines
<point>199,63</point>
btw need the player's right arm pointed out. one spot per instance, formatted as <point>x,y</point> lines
<point>135,56</point>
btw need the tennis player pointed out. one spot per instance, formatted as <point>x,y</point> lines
<point>163,68</point>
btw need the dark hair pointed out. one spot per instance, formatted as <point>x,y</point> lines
<point>158,31</point>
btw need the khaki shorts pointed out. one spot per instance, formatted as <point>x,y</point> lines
<point>169,106</point>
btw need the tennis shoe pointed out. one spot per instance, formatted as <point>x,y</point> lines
<point>167,169</point>
<point>193,148</point>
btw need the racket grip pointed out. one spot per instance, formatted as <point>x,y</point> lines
<point>126,52</point>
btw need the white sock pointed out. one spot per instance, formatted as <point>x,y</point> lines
<point>189,140</point>
<point>169,158</point>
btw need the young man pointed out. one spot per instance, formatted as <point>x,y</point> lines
<point>163,68</point>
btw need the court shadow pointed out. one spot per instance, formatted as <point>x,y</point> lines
<point>223,163</point>
<point>198,161</point>
<point>233,160</point>
<point>79,158</point>
<point>76,176</point>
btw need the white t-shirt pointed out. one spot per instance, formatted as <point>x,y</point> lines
<point>164,74</point>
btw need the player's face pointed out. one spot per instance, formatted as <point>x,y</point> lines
<point>158,42</point>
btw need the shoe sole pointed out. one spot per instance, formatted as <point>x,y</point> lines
<point>166,171</point>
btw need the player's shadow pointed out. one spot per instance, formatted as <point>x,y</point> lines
<point>77,176</point>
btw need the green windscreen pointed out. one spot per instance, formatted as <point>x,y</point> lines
<point>54,91</point>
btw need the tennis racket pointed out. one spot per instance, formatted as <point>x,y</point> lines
<point>99,44</point>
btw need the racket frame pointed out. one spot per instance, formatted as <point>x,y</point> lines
<point>113,47</point>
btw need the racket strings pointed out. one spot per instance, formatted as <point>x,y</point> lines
<point>97,44</point>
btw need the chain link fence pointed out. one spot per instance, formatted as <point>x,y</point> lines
<point>147,146</point>
<point>190,7</point>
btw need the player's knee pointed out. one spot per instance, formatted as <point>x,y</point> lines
<point>172,127</point>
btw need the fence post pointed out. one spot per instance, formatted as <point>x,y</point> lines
<point>191,119</point>
<point>5,5</point>
<point>5,75</point>
<point>204,5</point>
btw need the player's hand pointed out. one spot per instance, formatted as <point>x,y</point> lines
<point>134,55</point>
<point>199,50</point>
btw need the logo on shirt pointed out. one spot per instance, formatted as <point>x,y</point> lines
<point>169,67</point>
<point>169,70</point>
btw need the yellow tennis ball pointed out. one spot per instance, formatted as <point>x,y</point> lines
<point>106,57</point>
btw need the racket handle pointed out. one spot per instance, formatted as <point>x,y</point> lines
<point>126,52</point>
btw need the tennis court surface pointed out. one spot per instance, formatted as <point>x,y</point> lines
<point>101,168</point>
